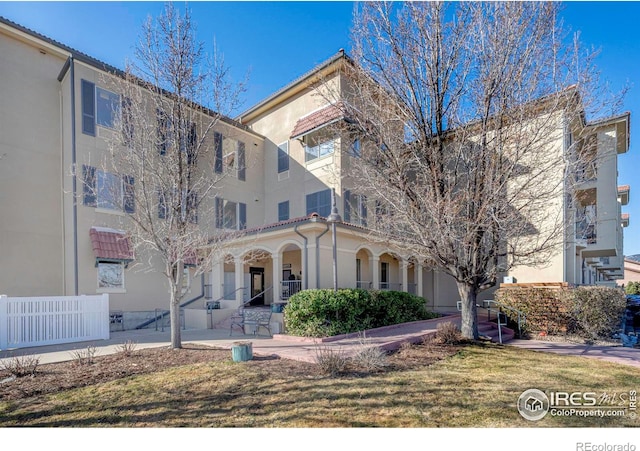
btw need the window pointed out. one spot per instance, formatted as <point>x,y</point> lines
<point>319,202</point>
<point>110,275</point>
<point>107,107</point>
<point>355,208</point>
<point>319,150</point>
<point>229,156</point>
<point>186,279</point>
<point>106,190</point>
<point>188,136</point>
<point>283,211</point>
<point>283,157</point>
<point>230,215</point>
<point>355,148</point>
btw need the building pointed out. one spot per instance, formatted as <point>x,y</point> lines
<point>57,240</point>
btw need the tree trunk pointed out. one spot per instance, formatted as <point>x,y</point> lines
<point>174,315</point>
<point>469,324</point>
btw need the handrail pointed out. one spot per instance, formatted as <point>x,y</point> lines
<point>522,318</point>
<point>257,296</point>
<point>222,298</point>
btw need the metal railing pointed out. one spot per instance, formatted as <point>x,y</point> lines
<point>412,288</point>
<point>391,286</point>
<point>289,288</point>
<point>364,284</point>
<point>161,317</point>
<point>521,317</point>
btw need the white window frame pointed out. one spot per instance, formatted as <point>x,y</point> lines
<point>115,111</point>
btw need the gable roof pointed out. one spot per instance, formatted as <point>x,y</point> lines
<point>295,86</point>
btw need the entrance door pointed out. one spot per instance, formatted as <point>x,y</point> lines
<point>257,285</point>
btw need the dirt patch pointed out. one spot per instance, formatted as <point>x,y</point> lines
<point>56,377</point>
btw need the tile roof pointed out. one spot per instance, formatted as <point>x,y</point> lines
<point>623,188</point>
<point>317,119</point>
<point>111,244</point>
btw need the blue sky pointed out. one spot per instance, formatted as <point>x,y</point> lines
<point>277,41</point>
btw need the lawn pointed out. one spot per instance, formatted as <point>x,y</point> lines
<point>425,385</point>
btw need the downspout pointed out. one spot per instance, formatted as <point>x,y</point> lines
<point>318,255</point>
<point>306,257</point>
<point>69,65</point>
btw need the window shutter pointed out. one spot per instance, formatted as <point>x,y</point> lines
<point>127,121</point>
<point>311,203</point>
<point>324,203</point>
<point>89,185</point>
<point>129,194</point>
<point>219,206</point>
<point>283,157</point>
<point>217,164</point>
<point>242,172</point>
<point>191,145</point>
<point>363,210</point>
<point>283,211</point>
<point>347,206</point>
<point>242,213</point>
<point>192,207</point>
<point>162,205</point>
<point>88,108</point>
<point>161,131</point>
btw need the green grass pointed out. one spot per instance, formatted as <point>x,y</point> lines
<point>477,387</point>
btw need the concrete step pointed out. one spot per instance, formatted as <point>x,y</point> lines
<point>490,329</point>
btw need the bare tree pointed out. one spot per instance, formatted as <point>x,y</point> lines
<point>163,165</point>
<point>464,110</point>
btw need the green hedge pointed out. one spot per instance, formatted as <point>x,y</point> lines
<point>592,312</point>
<point>324,313</point>
<point>632,288</point>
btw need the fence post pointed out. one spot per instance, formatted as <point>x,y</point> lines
<point>104,316</point>
<point>4,329</point>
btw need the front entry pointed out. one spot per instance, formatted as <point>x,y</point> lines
<point>257,286</point>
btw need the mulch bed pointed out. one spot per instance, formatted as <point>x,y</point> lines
<point>56,377</point>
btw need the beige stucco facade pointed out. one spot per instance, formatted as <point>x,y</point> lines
<point>44,228</point>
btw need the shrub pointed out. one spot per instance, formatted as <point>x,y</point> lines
<point>85,356</point>
<point>127,348</point>
<point>21,366</point>
<point>331,361</point>
<point>632,288</point>
<point>448,333</point>
<point>547,310</point>
<point>370,357</point>
<point>598,311</point>
<point>323,313</point>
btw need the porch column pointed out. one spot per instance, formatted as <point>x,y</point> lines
<point>404,264</point>
<point>419,274</point>
<point>277,274</point>
<point>217,278</point>
<point>239,273</point>
<point>375,272</point>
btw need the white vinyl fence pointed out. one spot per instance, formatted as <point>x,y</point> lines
<point>38,321</point>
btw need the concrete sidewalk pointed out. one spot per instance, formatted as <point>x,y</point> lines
<point>388,338</point>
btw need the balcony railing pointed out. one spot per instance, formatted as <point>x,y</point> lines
<point>390,286</point>
<point>412,288</point>
<point>289,287</point>
<point>586,231</point>
<point>587,172</point>
<point>364,284</point>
